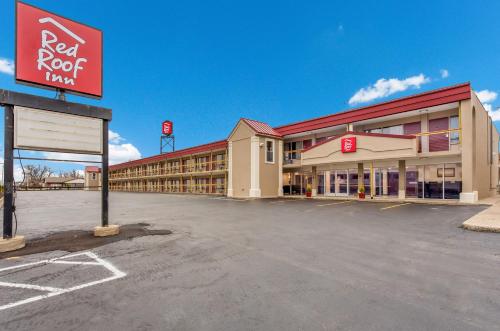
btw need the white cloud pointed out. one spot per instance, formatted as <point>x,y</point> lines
<point>118,152</point>
<point>114,137</point>
<point>6,66</point>
<point>123,153</point>
<point>444,73</point>
<point>385,87</point>
<point>18,174</point>
<point>495,114</point>
<point>486,96</point>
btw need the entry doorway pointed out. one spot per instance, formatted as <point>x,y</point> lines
<point>343,182</point>
<point>338,182</point>
<point>296,183</point>
<point>386,181</point>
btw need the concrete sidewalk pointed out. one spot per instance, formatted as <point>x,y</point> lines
<point>487,220</point>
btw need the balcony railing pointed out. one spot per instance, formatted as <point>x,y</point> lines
<point>439,141</point>
<point>435,141</point>
<point>192,168</point>
<point>216,188</point>
<point>291,155</point>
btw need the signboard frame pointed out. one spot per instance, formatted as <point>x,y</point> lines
<point>9,100</point>
<point>48,86</point>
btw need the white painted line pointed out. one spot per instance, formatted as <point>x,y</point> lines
<point>334,203</point>
<point>229,199</point>
<point>53,291</point>
<point>76,262</point>
<point>31,287</point>
<point>283,201</point>
<point>394,206</point>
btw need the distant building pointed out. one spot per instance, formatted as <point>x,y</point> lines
<point>55,182</point>
<point>92,178</point>
<point>76,183</point>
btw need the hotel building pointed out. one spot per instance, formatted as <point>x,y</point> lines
<point>440,144</point>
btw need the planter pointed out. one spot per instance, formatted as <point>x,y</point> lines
<point>361,195</point>
<point>308,194</point>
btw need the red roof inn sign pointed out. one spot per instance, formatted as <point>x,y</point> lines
<point>55,52</point>
<point>348,145</point>
<point>167,128</point>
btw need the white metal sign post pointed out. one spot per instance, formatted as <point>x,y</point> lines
<point>43,124</point>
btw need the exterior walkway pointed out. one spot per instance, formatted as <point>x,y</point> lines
<point>487,220</point>
<point>489,201</point>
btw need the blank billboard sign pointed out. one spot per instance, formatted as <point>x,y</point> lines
<point>42,130</point>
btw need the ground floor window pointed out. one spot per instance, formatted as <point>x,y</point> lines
<point>295,183</point>
<point>321,184</point>
<point>435,181</point>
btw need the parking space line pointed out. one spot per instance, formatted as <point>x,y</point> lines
<point>283,201</point>
<point>394,206</point>
<point>54,291</point>
<point>334,203</point>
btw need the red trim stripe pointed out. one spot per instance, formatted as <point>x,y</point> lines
<point>401,105</point>
<point>222,144</point>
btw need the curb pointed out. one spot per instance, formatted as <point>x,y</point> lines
<point>481,228</point>
<point>416,201</point>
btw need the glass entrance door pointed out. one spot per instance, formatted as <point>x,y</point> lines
<point>339,182</point>
<point>342,182</point>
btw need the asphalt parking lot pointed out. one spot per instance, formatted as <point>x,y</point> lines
<point>253,265</point>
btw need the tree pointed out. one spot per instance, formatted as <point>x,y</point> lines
<point>35,174</point>
<point>74,174</point>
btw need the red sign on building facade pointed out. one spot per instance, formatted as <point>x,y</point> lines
<point>167,128</point>
<point>55,52</point>
<point>348,145</point>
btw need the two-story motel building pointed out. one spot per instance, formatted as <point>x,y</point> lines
<point>440,144</point>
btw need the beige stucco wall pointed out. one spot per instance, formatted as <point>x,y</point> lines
<point>483,162</point>
<point>268,172</point>
<point>92,185</point>
<point>368,148</point>
<point>240,174</point>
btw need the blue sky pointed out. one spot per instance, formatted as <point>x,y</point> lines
<point>205,64</point>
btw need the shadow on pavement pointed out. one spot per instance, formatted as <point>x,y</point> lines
<point>79,240</point>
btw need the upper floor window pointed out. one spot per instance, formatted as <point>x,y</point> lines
<point>269,151</point>
<point>292,150</point>
<point>395,129</point>
<point>454,135</point>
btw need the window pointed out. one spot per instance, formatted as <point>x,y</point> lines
<point>94,176</point>
<point>454,135</point>
<point>396,129</point>
<point>269,151</point>
<point>292,150</point>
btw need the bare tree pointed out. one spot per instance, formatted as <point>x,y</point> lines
<point>74,174</point>
<point>35,174</point>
